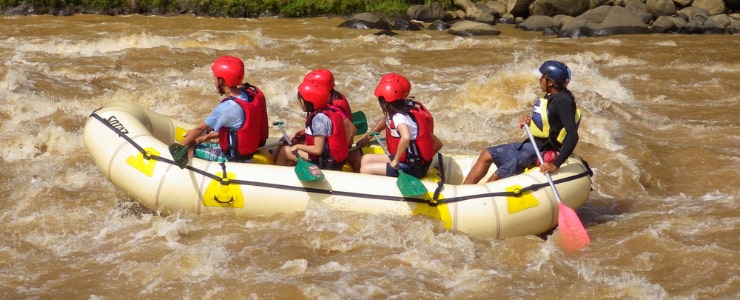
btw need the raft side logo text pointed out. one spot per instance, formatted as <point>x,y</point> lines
<point>113,122</point>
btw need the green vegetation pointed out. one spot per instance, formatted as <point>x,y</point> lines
<point>222,8</point>
<point>300,8</point>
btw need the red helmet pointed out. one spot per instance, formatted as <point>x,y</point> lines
<point>391,91</point>
<point>314,92</point>
<point>405,84</point>
<point>323,76</point>
<point>230,69</point>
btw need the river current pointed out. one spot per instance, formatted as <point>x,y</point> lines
<point>660,130</point>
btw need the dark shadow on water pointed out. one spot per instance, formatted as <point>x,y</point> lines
<point>602,210</point>
<point>128,207</point>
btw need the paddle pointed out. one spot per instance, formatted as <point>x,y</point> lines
<point>270,145</point>
<point>360,121</point>
<point>408,185</point>
<point>574,236</point>
<point>179,154</point>
<point>305,170</point>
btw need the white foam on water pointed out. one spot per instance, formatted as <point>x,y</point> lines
<point>68,232</point>
<point>666,43</point>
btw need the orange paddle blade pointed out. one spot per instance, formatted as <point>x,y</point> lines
<point>572,233</point>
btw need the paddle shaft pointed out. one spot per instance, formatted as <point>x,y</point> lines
<point>285,134</point>
<point>270,145</point>
<point>305,170</point>
<point>542,161</point>
<point>287,138</point>
<point>382,145</point>
<point>182,151</point>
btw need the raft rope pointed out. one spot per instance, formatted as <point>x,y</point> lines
<point>432,202</point>
<point>441,168</point>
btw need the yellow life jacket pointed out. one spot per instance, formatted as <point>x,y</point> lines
<point>540,125</point>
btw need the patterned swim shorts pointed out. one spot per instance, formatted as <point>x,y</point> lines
<point>210,151</point>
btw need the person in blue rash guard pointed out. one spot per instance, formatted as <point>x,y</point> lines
<point>239,122</point>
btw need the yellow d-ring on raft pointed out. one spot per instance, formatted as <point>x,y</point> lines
<point>520,200</point>
<point>221,193</point>
<point>144,165</point>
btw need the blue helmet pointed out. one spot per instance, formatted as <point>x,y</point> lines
<point>556,71</point>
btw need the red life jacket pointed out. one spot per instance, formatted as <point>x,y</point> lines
<point>339,100</point>
<point>243,142</point>
<point>423,146</point>
<point>336,142</point>
<point>259,96</point>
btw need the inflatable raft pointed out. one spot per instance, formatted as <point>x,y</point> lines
<point>129,144</point>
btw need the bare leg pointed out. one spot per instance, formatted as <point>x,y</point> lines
<point>355,160</point>
<point>284,157</point>
<point>480,168</point>
<point>374,164</point>
<point>493,177</point>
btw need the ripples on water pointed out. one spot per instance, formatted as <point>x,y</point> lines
<point>660,131</point>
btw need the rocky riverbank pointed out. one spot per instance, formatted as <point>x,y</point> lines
<point>564,18</point>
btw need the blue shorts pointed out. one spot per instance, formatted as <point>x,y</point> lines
<point>416,170</point>
<point>512,159</point>
<point>328,164</point>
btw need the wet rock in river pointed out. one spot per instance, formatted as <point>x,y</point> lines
<point>604,20</point>
<point>366,21</point>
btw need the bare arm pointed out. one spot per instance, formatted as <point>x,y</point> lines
<point>437,143</point>
<point>350,130</point>
<point>379,125</point>
<point>403,144</point>
<point>194,133</point>
<point>316,149</point>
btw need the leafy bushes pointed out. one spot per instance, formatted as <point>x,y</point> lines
<point>222,8</point>
<point>310,8</point>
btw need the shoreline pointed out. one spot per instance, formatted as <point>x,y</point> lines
<point>468,20</point>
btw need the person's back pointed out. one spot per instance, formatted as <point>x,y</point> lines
<point>329,123</point>
<point>339,101</point>
<point>241,141</point>
<point>264,124</point>
<point>239,121</point>
<point>409,132</point>
<point>325,135</point>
